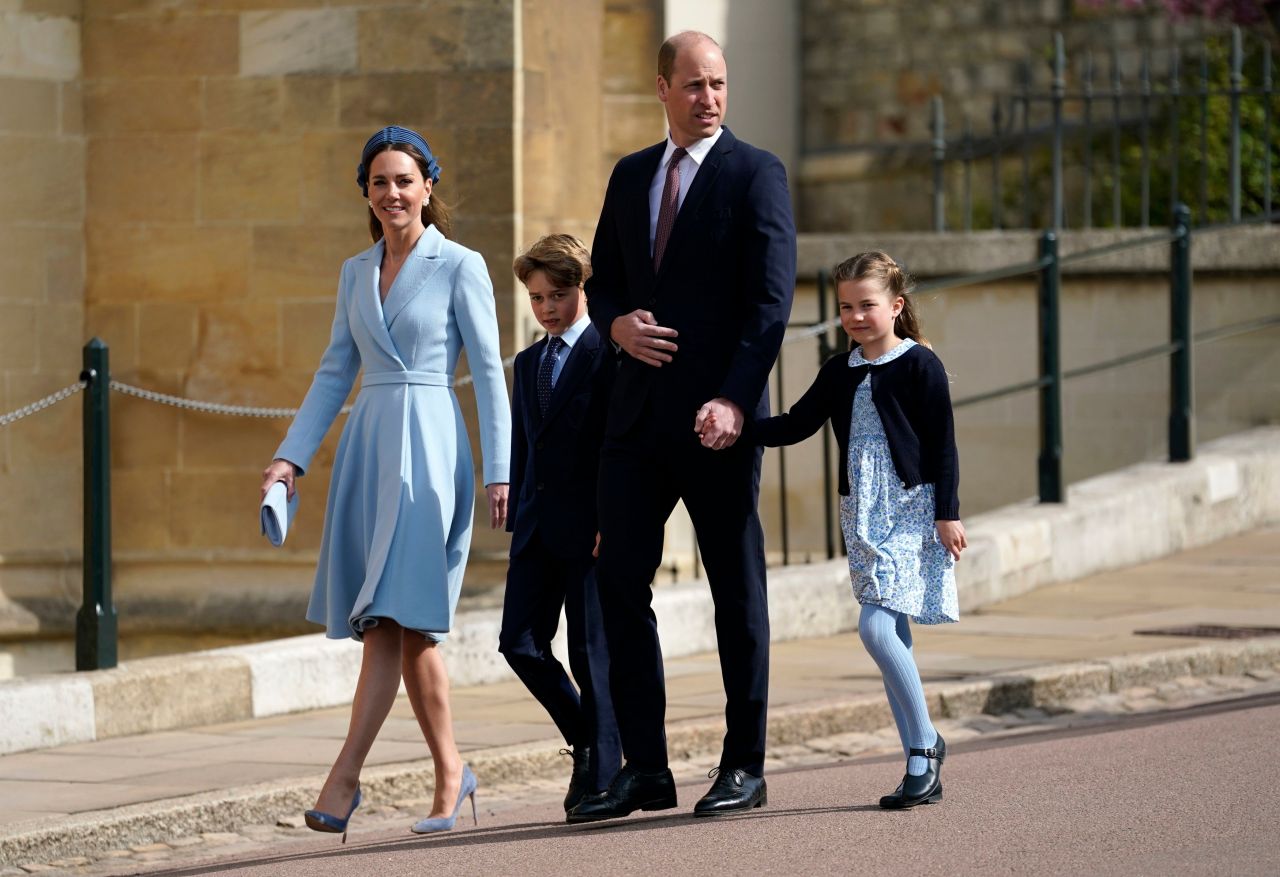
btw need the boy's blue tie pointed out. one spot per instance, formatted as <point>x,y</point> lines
<point>554,343</point>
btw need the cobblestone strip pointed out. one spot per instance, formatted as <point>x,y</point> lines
<point>383,814</point>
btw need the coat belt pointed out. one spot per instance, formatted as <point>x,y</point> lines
<point>428,379</point>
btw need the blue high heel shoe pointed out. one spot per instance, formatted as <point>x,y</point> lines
<point>445,823</point>
<point>318,821</point>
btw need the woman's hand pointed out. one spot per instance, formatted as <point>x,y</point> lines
<point>279,470</point>
<point>951,535</point>
<point>497,505</point>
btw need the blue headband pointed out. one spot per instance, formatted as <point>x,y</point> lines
<point>394,134</point>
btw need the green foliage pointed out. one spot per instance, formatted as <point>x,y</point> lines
<point>1196,137</point>
<point>1165,129</point>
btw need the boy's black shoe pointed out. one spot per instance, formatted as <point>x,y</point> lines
<point>630,791</point>
<point>578,781</point>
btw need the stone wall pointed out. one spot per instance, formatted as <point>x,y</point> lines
<point>196,220</point>
<point>869,70</point>
<point>42,208</point>
<point>632,115</point>
<point>222,144</point>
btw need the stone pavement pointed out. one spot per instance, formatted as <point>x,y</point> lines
<point>1059,653</point>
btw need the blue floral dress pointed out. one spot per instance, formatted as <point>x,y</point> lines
<point>895,558</point>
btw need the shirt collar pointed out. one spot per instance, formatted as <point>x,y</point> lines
<point>856,359</point>
<point>571,335</point>
<point>697,151</point>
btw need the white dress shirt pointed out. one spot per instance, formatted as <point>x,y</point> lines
<point>570,337</point>
<point>689,165</point>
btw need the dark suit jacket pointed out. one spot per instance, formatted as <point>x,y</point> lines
<point>555,459</point>
<point>726,283</point>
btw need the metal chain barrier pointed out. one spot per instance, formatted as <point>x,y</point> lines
<point>239,410</point>
<point>47,402</point>
<point>207,407</point>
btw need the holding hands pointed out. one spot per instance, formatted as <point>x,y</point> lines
<point>951,535</point>
<point>718,424</point>
<point>639,334</point>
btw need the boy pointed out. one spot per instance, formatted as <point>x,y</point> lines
<point>560,397</point>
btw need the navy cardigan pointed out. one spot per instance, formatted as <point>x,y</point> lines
<point>914,403</point>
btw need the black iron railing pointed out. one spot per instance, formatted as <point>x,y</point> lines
<point>1096,126</point>
<point>96,620</point>
<point>1048,382</point>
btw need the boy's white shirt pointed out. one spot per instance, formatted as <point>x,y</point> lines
<point>570,337</point>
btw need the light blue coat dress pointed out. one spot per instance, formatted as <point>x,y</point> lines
<point>397,528</point>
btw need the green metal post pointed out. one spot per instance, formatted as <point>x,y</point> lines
<point>828,488</point>
<point>782,474</point>
<point>1050,461</point>
<point>1237,84</point>
<point>1059,92</point>
<point>96,620</point>
<point>1182,440</point>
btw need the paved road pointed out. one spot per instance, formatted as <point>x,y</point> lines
<point>1189,791</point>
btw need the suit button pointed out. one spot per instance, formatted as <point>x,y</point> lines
<point>538,446</point>
<point>539,485</point>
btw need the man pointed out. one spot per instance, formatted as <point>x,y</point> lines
<point>694,271</point>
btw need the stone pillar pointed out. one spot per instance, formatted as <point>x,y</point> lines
<point>41,302</point>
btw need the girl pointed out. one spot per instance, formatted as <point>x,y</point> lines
<point>888,403</point>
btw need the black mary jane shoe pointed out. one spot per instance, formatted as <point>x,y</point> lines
<point>579,787</point>
<point>923,789</point>
<point>892,800</point>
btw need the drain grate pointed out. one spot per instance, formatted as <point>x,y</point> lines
<point>1212,631</point>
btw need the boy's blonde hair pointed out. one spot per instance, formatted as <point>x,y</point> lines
<point>562,256</point>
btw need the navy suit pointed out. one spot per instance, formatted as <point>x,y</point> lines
<point>726,284</point>
<point>552,516</point>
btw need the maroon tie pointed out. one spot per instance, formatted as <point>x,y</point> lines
<point>669,206</point>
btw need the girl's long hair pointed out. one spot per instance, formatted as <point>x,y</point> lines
<point>881,267</point>
<point>436,213</point>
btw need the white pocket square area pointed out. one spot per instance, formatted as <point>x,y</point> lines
<point>277,513</point>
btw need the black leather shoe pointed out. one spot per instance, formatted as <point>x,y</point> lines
<point>892,800</point>
<point>733,792</point>
<point>923,789</point>
<point>579,785</point>
<point>629,791</point>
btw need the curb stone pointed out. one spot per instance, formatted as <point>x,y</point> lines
<point>229,810</point>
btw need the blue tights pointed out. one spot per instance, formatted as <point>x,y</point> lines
<point>887,636</point>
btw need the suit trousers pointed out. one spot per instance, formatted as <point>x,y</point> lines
<point>539,582</point>
<point>641,478</point>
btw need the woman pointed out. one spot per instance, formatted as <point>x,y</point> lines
<point>398,523</point>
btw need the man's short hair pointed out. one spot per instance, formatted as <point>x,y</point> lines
<point>564,258</point>
<point>668,50</point>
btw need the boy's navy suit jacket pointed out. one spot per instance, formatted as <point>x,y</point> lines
<point>555,459</point>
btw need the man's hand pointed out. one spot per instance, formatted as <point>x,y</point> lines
<point>951,535</point>
<point>639,334</point>
<point>718,424</point>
